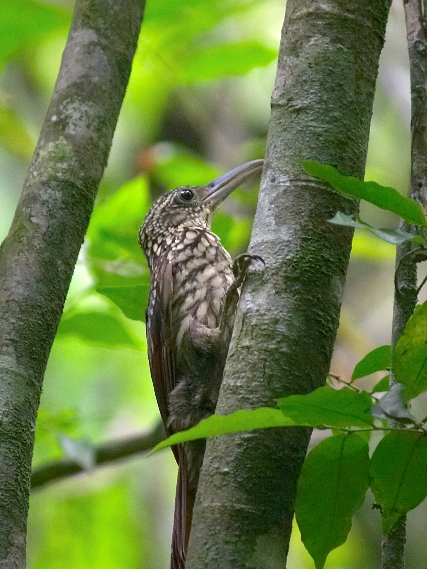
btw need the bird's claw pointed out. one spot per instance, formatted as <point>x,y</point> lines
<point>241,265</point>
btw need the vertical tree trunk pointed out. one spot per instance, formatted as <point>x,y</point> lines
<point>405,295</point>
<point>289,311</point>
<point>38,256</point>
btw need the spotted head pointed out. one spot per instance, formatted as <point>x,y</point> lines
<point>191,207</point>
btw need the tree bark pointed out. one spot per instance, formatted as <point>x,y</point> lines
<point>38,256</point>
<point>289,311</point>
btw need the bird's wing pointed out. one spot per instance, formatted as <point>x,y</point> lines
<point>159,339</point>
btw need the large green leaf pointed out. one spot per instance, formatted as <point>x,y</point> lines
<point>99,328</point>
<point>114,256</point>
<point>410,354</point>
<point>226,59</point>
<point>114,226</point>
<point>325,407</point>
<point>381,196</point>
<point>132,299</point>
<point>243,420</point>
<point>126,283</point>
<point>377,360</point>
<point>339,409</point>
<point>399,474</point>
<point>332,486</point>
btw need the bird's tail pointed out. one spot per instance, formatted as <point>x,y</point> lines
<point>184,503</point>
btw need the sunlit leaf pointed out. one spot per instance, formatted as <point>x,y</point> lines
<point>337,408</point>
<point>177,167</point>
<point>331,488</point>
<point>126,283</point>
<point>25,22</point>
<point>410,354</point>
<point>131,299</point>
<point>383,197</point>
<point>243,420</point>
<point>98,328</point>
<point>114,226</point>
<point>399,474</point>
<point>14,135</point>
<point>377,360</point>
<point>90,526</point>
<point>227,59</point>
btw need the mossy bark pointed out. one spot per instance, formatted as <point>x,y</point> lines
<point>38,256</point>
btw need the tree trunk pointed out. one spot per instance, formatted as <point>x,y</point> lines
<point>289,310</point>
<point>38,256</point>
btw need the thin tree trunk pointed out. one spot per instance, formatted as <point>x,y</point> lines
<point>38,256</point>
<point>405,297</point>
<point>289,311</point>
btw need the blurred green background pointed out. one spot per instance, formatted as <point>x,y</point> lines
<point>197,104</point>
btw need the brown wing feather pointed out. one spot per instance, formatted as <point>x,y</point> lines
<point>159,338</point>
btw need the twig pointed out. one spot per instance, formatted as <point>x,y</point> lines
<point>104,454</point>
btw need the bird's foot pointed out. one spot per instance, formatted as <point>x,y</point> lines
<point>240,268</point>
<point>241,265</point>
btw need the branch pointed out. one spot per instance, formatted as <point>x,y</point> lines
<point>405,299</point>
<point>38,256</point>
<point>104,454</point>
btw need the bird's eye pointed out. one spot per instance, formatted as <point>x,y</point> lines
<point>186,194</point>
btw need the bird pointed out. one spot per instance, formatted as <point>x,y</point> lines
<point>194,291</point>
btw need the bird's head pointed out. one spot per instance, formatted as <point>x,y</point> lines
<point>192,206</point>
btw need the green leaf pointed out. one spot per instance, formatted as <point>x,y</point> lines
<point>392,236</point>
<point>114,226</point>
<point>24,23</point>
<point>125,283</point>
<point>99,328</point>
<point>383,197</point>
<point>65,421</point>
<point>347,221</point>
<point>382,385</point>
<point>377,360</point>
<point>114,256</point>
<point>243,420</point>
<point>410,354</point>
<point>14,134</point>
<point>399,474</point>
<point>180,167</point>
<point>79,451</point>
<point>396,236</point>
<point>328,407</point>
<point>130,298</point>
<point>331,488</point>
<point>227,59</point>
<point>324,407</point>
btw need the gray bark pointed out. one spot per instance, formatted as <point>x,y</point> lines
<point>288,314</point>
<point>38,256</point>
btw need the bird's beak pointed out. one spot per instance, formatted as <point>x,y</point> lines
<point>217,190</point>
